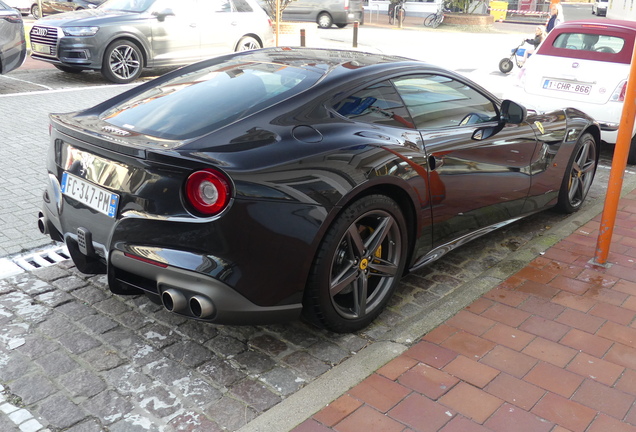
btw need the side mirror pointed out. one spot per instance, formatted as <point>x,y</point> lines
<point>512,112</point>
<point>161,15</point>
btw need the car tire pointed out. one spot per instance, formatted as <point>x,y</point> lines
<point>506,65</point>
<point>35,11</point>
<point>341,25</point>
<point>122,62</point>
<point>358,265</point>
<point>68,69</point>
<point>247,43</point>
<point>579,174</point>
<point>631,155</point>
<point>324,20</point>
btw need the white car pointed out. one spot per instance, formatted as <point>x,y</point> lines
<point>582,65</point>
<point>23,6</point>
<point>600,7</point>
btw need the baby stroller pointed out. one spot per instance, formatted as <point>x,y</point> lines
<point>506,64</point>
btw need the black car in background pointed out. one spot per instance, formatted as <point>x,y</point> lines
<point>58,6</point>
<point>256,186</point>
<point>13,49</point>
<point>122,37</point>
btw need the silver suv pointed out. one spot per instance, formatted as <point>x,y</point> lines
<point>325,12</point>
<point>121,37</point>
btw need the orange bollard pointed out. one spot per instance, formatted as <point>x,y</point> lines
<point>619,163</point>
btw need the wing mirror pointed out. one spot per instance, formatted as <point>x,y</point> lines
<point>512,112</point>
<point>161,15</point>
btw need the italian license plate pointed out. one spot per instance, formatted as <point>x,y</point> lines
<point>40,48</point>
<point>90,195</point>
<point>570,87</point>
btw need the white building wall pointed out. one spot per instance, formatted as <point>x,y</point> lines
<point>622,10</point>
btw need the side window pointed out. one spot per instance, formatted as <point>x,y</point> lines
<point>437,101</point>
<point>242,6</point>
<point>379,104</point>
<point>217,6</point>
<point>179,9</point>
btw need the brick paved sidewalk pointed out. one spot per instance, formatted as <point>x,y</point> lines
<point>552,348</point>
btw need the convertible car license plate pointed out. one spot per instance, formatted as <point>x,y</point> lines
<point>570,87</point>
<point>90,195</point>
<point>40,48</point>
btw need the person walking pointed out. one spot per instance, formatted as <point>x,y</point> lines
<point>556,16</point>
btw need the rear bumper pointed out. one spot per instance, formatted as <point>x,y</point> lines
<point>225,305</point>
<point>130,270</point>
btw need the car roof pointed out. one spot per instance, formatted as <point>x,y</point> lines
<point>599,25</point>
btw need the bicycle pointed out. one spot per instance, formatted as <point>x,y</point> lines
<point>435,19</point>
<point>396,11</point>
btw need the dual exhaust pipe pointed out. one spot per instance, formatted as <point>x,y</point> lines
<point>43,225</point>
<point>175,301</point>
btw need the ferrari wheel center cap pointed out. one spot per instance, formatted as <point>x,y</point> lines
<point>364,264</point>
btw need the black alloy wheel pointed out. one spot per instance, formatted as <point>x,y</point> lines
<point>358,265</point>
<point>579,174</point>
<point>123,62</point>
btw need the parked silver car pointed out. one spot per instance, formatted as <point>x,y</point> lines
<point>121,37</point>
<point>59,6</point>
<point>12,42</point>
<point>325,12</point>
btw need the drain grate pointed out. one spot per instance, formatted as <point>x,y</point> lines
<point>42,258</point>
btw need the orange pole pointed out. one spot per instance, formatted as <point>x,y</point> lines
<point>619,163</point>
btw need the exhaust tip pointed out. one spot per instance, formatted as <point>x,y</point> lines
<point>173,300</point>
<point>42,225</point>
<point>201,307</point>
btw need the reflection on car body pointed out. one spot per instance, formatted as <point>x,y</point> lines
<point>259,186</point>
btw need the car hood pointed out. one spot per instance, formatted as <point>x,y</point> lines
<point>88,17</point>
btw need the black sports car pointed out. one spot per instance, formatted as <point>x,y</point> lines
<point>254,187</point>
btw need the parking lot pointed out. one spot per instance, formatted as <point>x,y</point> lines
<point>74,357</point>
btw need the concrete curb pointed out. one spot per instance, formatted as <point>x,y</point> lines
<point>333,384</point>
<point>309,400</point>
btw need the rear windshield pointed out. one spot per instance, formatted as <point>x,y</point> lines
<point>587,43</point>
<point>199,102</point>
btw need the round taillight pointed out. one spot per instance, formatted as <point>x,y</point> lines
<point>208,192</point>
